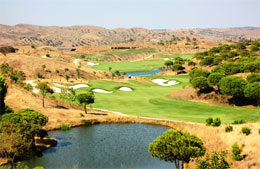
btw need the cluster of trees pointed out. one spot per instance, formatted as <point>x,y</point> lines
<point>175,65</point>
<point>123,47</point>
<point>233,86</point>
<point>181,147</point>
<point>18,129</point>
<point>232,59</point>
<point>14,75</point>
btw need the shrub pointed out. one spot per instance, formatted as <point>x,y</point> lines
<point>198,72</point>
<point>209,60</point>
<point>217,160</point>
<point>253,77</point>
<point>168,63</point>
<point>252,91</point>
<point>246,131</point>
<point>232,86</point>
<point>39,75</point>
<point>239,122</point>
<point>236,152</point>
<point>64,127</point>
<point>229,129</point>
<point>48,55</point>
<point>177,66</point>
<point>214,78</point>
<point>200,82</point>
<point>259,131</point>
<point>81,114</point>
<point>209,121</point>
<point>216,122</point>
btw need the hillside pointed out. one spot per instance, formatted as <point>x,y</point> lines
<point>23,34</point>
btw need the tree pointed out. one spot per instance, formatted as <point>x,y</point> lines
<point>236,152</point>
<point>3,91</point>
<point>217,160</point>
<point>200,82</point>
<point>177,66</point>
<point>214,78</point>
<point>44,88</point>
<point>232,86</point>
<point>85,99</point>
<point>253,77</point>
<point>197,72</point>
<point>252,91</point>
<point>110,68</point>
<point>209,60</point>
<point>168,63</point>
<point>177,146</point>
<point>67,77</point>
<point>78,72</point>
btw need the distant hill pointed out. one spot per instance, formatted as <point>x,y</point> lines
<point>24,34</point>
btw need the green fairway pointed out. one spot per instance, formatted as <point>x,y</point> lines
<point>182,55</point>
<point>150,100</point>
<point>131,51</point>
<point>139,66</point>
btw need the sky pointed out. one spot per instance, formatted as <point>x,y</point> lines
<point>150,14</point>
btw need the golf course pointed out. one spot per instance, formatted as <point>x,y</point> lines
<point>148,99</point>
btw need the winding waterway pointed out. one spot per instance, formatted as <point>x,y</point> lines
<point>116,146</point>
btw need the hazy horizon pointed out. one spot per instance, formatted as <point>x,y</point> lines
<point>148,14</point>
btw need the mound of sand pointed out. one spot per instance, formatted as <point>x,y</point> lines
<point>162,82</point>
<point>92,64</point>
<point>101,91</point>
<point>125,89</point>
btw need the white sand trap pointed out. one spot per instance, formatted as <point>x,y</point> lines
<point>92,64</point>
<point>36,91</point>
<point>56,90</point>
<point>44,56</point>
<point>78,86</point>
<point>31,82</point>
<point>165,58</point>
<point>125,89</point>
<point>162,82</point>
<point>101,91</point>
<point>59,85</point>
<point>75,61</point>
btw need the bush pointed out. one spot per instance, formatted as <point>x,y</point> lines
<point>214,78</point>
<point>177,66</point>
<point>39,75</point>
<point>259,131</point>
<point>209,121</point>
<point>81,114</point>
<point>200,82</point>
<point>216,122</point>
<point>198,72</point>
<point>246,131</point>
<point>217,160</point>
<point>232,86</point>
<point>252,91</point>
<point>64,127</point>
<point>236,152</point>
<point>229,129</point>
<point>253,77</point>
<point>239,122</point>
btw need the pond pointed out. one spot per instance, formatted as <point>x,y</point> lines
<point>153,72</point>
<point>116,146</point>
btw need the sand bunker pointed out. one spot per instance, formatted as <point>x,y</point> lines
<point>125,89</point>
<point>78,86</point>
<point>56,90</point>
<point>101,91</point>
<point>31,82</point>
<point>75,61</point>
<point>92,64</point>
<point>162,82</point>
<point>44,56</point>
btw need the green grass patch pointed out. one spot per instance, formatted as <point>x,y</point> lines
<point>150,100</point>
<point>139,66</point>
<point>131,51</point>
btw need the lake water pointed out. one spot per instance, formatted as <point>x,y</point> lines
<point>157,70</point>
<point>115,146</point>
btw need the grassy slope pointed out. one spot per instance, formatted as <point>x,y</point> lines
<point>131,51</point>
<point>150,100</point>
<point>130,66</point>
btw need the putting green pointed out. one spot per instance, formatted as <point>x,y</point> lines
<point>139,66</point>
<point>150,100</point>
